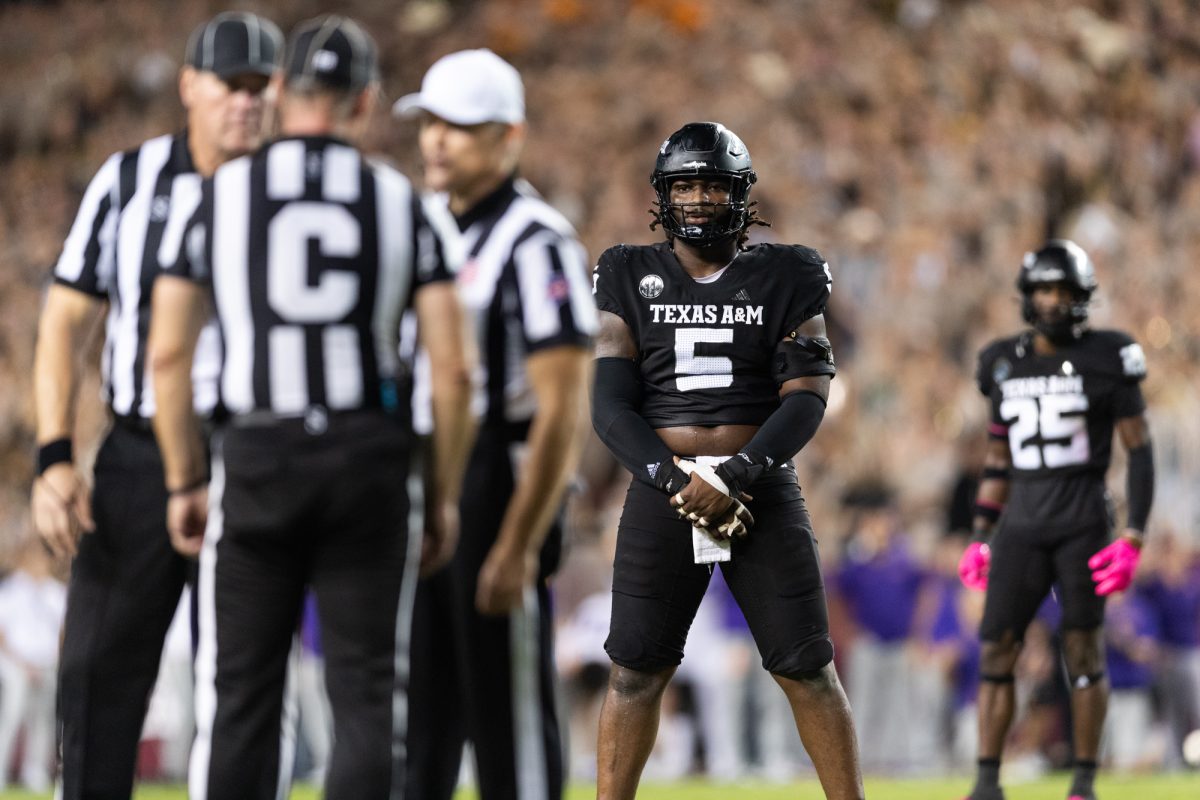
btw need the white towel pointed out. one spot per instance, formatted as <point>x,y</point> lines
<point>705,549</point>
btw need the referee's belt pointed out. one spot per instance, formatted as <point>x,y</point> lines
<point>315,420</point>
<point>133,423</point>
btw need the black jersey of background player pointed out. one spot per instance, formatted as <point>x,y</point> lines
<point>1058,412</point>
<point>706,350</point>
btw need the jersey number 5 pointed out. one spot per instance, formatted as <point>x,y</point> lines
<point>701,372</point>
<point>1059,421</point>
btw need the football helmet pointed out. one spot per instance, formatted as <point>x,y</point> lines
<point>1058,261</point>
<point>704,148</point>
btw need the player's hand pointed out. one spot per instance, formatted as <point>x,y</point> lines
<point>62,509</point>
<point>441,536</point>
<point>187,516</point>
<point>505,575</point>
<point>974,565</point>
<point>734,522</point>
<point>1113,567</point>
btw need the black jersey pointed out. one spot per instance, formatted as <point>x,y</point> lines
<point>706,349</point>
<point>1058,412</point>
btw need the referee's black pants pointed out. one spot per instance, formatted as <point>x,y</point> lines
<point>487,679</point>
<point>295,509</point>
<point>124,589</point>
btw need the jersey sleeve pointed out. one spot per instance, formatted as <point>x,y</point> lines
<point>813,284</point>
<point>552,281</point>
<point>985,379</point>
<point>193,259</point>
<point>1130,365</point>
<point>439,251</point>
<point>606,286</point>
<point>89,252</point>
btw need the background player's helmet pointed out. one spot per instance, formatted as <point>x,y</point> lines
<point>704,148</point>
<point>1058,261</point>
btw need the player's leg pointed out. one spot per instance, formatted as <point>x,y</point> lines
<point>775,575</point>
<point>124,587</point>
<point>360,571</point>
<point>251,592</point>
<point>1083,652</point>
<point>436,727</point>
<point>1018,581</point>
<point>507,661</point>
<point>657,587</point>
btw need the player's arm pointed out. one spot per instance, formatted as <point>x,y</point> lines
<point>1113,566</point>
<point>61,502</point>
<point>616,409</point>
<point>990,498</point>
<point>179,309</point>
<point>559,377</point>
<point>1134,433</point>
<point>804,360</point>
<point>445,334</point>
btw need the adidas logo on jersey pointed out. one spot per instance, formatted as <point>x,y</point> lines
<point>742,296</point>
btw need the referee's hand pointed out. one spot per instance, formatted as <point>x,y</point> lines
<point>505,575</point>
<point>187,515</point>
<point>62,509</point>
<point>441,536</point>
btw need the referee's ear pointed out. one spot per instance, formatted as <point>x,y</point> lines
<point>187,77</point>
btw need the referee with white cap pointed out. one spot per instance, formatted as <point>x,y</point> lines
<point>482,657</point>
<point>126,580</point>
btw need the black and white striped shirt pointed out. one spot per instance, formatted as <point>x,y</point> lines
<point>312,254</point>
<point>127,229</point>
<point>526,278</point>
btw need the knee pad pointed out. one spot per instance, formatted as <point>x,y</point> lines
<point>805,664</point>
<point>996,678</point>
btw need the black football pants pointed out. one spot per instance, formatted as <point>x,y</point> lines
<point>327,511</point>
<point>124,589</point>
<point>486,679</point>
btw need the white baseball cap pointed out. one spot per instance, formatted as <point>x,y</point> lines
<point>467,88</point>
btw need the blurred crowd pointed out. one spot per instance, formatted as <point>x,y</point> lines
<point>921,145</point>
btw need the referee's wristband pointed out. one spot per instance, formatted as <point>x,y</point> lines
<point>55,452</point>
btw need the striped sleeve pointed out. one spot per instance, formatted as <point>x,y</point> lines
<point>193,243</point>
<point>89,252</point>
<point>439,251</point>
<point>557,307</point>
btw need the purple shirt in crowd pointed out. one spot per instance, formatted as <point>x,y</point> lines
<point>1126,622</point>
<point>1178,610</point>
<point>881,590</point>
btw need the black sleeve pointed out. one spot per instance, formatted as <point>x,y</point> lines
<point>813,284</point>
<point>606,285</point>
<point>781,437</point>
<point>616,400</point>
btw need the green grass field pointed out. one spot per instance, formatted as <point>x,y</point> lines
<point>1161,787</point>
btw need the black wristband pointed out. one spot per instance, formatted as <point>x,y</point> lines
<point>739,471</point>
<point>188,487</point>
<point>55,452</point>
<point>989,512</point>
<point>670,478</point>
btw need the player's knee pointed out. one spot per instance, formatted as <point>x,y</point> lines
<point>806,664</point>
<point>999,658</point>
<point>1083,653</point>
<point>636,685</point>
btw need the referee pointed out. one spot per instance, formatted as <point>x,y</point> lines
<point>310,254</point>
<point>126,580</point>
<point>482,657</point>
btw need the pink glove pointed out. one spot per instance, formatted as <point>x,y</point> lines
<point>1112,568</point>
<point>973,566</point>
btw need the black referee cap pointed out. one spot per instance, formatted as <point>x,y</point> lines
<point>334,52</point>
<point>234,43</point>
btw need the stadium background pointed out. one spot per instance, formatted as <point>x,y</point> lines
<point>921,145</point>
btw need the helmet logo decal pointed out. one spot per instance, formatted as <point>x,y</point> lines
<point>650,287</point>
<point>696,165</point>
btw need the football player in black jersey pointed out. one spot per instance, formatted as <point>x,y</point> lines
<point>712,371</point>
<point>1057,392</point>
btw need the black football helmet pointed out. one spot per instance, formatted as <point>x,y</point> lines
<point>704,148</point>
<point>1058,261</point>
